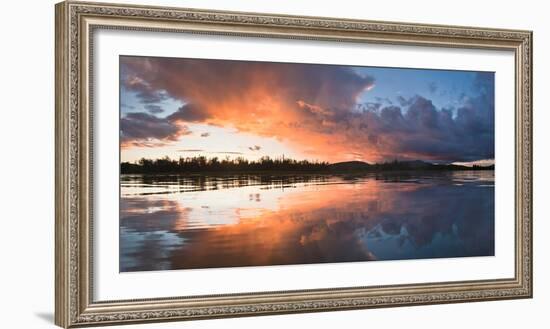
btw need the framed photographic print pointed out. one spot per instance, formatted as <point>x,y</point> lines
<point>216,164</point>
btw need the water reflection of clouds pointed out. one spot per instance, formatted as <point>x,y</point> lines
<point>142,247</point>
<point>439,221</point>
<point>329,220</point>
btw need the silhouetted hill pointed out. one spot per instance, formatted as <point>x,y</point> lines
<point>350,166</point>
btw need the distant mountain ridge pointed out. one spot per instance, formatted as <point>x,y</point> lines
<point>350,165</point>
<point>401,165</point>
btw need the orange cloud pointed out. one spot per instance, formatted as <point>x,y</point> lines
<point>295,104</point>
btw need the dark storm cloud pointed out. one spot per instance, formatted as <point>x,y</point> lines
<point>369,106</point>
<point>144,91</point>
<point>138,127</point>
<point>424,130</point>
<point>417,130</point>
<point>207,82</point>
<point>153,109</point>
<point>189,113</point>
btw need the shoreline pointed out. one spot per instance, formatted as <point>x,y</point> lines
<point>303,173</point>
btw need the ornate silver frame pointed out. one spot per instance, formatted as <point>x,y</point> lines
<point>76,22</point>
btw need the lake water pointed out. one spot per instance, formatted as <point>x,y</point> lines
<point>188,222</point>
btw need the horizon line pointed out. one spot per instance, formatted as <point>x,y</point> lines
<point>479,162</point>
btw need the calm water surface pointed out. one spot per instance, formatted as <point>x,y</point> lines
<point>186,222</point>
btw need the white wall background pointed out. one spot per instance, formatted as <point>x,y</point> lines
<point>27,162</point>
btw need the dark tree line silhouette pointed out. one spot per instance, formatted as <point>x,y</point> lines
<point>202,164</point>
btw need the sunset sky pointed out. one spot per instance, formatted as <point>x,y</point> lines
<point>188,107</point>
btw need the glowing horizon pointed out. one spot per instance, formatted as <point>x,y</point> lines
<point>217,108</point>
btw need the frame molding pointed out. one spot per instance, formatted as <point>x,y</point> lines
<point>75,23</point>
